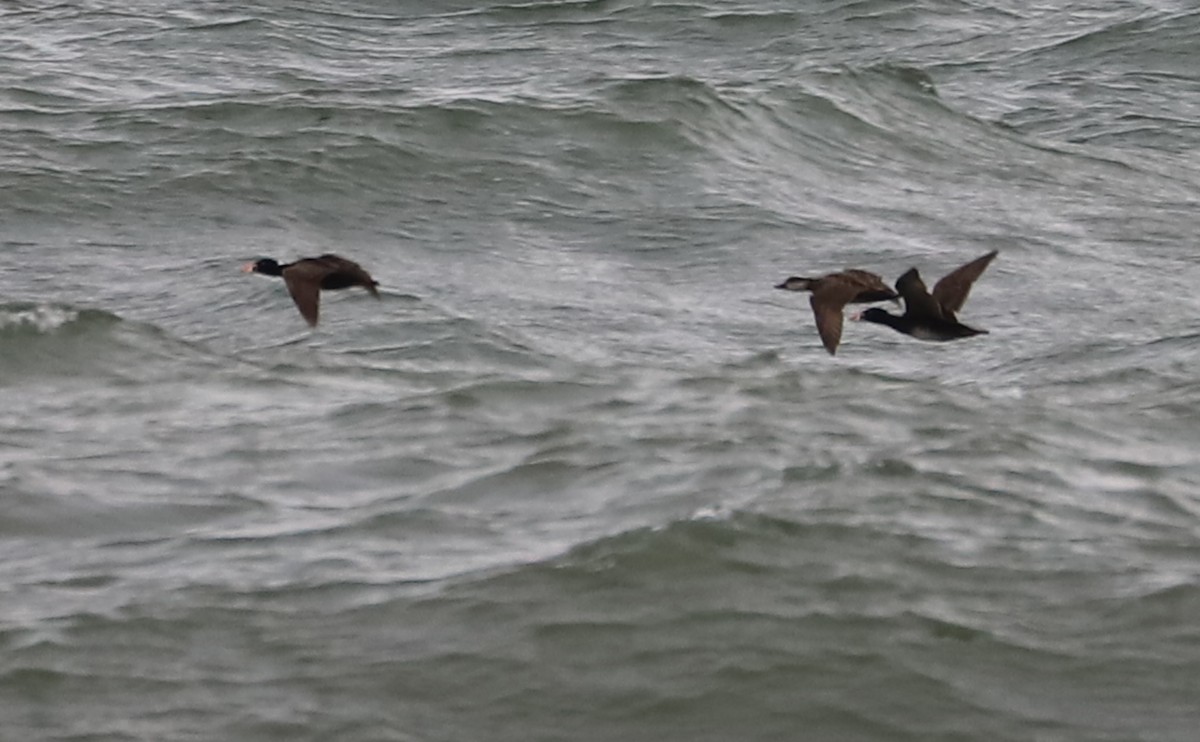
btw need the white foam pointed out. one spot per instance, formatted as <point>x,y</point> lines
<point>42,317</point>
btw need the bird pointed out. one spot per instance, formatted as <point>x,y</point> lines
<point>306,277</point>
<point>932,316</point>
<point>832,292</point>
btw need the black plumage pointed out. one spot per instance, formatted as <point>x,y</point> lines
<point>933,315</point>
<point>305,278</point>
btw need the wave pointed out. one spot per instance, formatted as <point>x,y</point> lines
<point>55,340</point>
<point>29,319</point>
<point>1149,35</point>
<point>47,340</point>
<point>541,12</point>
<point>311,145</point>
<point>847,120</point>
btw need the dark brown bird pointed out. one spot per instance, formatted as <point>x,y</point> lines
<point>306,277</point>
<point>932,316</point>
<point>831,294</point>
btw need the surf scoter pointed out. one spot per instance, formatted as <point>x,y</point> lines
<point>306,277</point>
<point>932,316</point>
<point>832,292</point>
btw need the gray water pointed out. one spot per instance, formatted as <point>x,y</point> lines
<point>582,473</point>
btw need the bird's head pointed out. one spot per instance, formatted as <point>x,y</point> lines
<point>266,266</point>
<point>874,314</point>
<point>796,283</point>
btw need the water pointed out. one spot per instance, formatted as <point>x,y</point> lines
<point>582,473</point>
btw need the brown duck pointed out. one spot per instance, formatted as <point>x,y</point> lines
<point>830,295</point>
<point>932,315</point>
<point>306,277</point>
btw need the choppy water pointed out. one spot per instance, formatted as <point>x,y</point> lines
<point>582,474</point>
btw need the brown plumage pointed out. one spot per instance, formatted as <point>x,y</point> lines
<point>831,294</point>
<point>306,277</point>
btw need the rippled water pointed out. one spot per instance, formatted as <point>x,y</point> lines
<point>582,473</point>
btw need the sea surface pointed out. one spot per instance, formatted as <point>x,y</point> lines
<point>582,473</point>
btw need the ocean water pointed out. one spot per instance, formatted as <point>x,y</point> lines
<point>582,473</point>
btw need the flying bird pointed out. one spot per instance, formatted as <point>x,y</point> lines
<point>830,295</point>
<point>932,315</point>
<point>306,277</point>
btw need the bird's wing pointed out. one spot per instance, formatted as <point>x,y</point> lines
<point>865,278</point>
<point>347,267</point>
<point>335,262</point>
<point>828,301</point>
<point>871,287</point>
<point>917,301</point>
<point>951,291</point>
<point>304,284</point>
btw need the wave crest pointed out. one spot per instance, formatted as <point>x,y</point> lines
<point>30,319</point>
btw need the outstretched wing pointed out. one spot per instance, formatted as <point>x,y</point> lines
<point>827,302</point>
<point>951,292</point>
<point>917,301</point>
<point>305,287</point>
